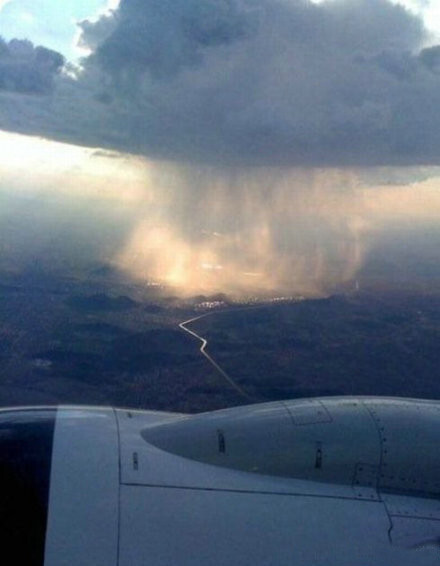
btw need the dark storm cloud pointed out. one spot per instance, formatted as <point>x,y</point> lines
<point>27,69</point>
<point>95,33</point>
<point>431,58</point>
<point>345,82</point>
<point>166,36</point>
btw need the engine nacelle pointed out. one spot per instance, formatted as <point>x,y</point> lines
<point>388,444</point>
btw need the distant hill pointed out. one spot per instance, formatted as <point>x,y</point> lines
<point>101,302</point>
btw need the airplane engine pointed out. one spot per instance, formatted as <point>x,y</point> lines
<point>333,481</point>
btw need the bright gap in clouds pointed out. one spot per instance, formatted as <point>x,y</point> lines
<point>65,209</point>
<point>37,153</point>
<point>428,10</point>
<point>36,165</point>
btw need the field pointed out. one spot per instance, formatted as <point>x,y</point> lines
<point>103,340</point>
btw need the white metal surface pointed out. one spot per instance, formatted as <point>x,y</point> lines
<point>164,527</point>
<point>197,497</point>
<point>145,464</point>
<point>83,499</point>
<point>410,438</point>
<point>323,441</point>
<point>118,500</point>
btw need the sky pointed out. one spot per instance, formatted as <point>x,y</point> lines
<point>49,23</point>
<point>237,146</point>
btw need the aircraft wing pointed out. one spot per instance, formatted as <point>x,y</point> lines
<point>338,481</point>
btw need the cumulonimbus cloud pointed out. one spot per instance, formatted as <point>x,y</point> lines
<point>273,82</point>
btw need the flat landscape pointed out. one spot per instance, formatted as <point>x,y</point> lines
<point>101,339</point>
